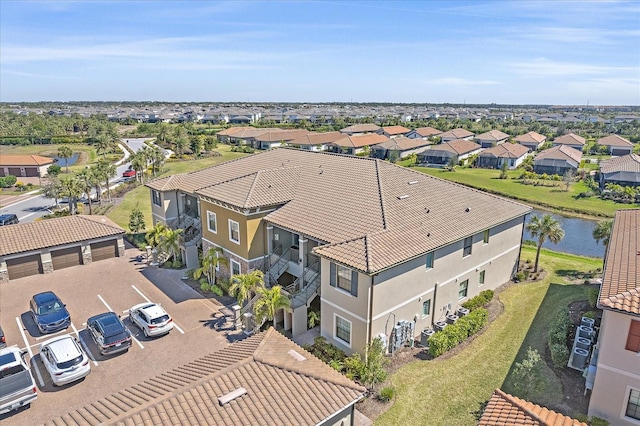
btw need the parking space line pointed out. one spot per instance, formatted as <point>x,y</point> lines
<point>105,303</point>
<point>86,349</point>
<point>31,359</point>
<point>137,341</point>
<point>48,336</point>
<point>149,301</point>
<point>177,327</point>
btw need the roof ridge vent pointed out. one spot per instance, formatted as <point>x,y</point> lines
<point>296,355</point>
<point>403,197</point>
<point>228,397</point>
<point>412,182</point>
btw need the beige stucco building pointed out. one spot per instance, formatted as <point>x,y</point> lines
<point>616,389</point>
<point>370,245</point>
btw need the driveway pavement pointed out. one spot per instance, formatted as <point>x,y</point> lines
<point>114,284</point>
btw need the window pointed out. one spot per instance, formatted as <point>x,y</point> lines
<point>235,268</point>
<point>343,330</point>
<point>462,289</point>
<point>344,278</point>
<point>467,246</point>
<point>156,197</point>
<point>234,231</point>
<point>485,237</point>
<point>430,260</point>
<point>633,405</point>
<point>426,308</point>
<point>212,224</point>
<point>633,338</point>
<point>481,278</point>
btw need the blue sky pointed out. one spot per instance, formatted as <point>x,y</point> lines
<point>513,52</point>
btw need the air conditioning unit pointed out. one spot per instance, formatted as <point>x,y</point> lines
<point>440,325</point>
<point>462,312</point>
<point>451,319</point>
<point>424,336</point>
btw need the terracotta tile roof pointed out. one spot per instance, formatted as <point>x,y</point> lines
<point>280,390</point>
<point>24,237</point>
<point>569,139</point>
<point>427,132</point>
<point>624,163</point>
<point>492,135</point>
<point>620,290</point>
<point>458,147</point>
<point>403,143</point>
<point>361,128</point>
<point>504,409</point>
<point>25,160</point>
<point>456,134</point>
<point>561,152</point>
<point>505,150</point>
<point>531,137</point>
<point>280,135</point>
<point>231,130</point>
<point>396,130</point>
<point>313,138</point>
<point>359,141</point>
<point>614,140</point>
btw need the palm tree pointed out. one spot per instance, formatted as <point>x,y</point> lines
<point>602,231</point>
<point>87,179</point>
<point>103,144</point>
<point>244,285</point>
<point>139,164</point>
<point>210,262</point>
<point>153,237</point>
<point>53,188</point>
<point>170,241</point>
<point>72,188</point>
<point>545,228</point>
<point>106,171</point>
<point>270,301</point>
<point>156,156</point>
<point>66,153</point>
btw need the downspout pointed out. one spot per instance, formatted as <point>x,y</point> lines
<point>370,310</point>
<point>435,303</point>
<point>519,251</point>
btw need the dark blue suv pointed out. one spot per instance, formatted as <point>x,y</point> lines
<point>109,333</point>
<point>49,313</point>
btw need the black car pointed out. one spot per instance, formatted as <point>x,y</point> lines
<point>8,219</point>
<point>49,313</point>
<point>109,333</point>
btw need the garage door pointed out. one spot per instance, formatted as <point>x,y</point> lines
<point>104,250</point>
<point>15,171</point>
<point>65,258</point>
<point>32,171</point>
<point>24,266</point>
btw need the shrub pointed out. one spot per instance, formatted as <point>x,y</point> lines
<point>519,277</point>
<point>479,301</point>
<point>527,377</point>
<point>387,393</point>
<point>590,314</point>
<point>453,334</point>
<point>597,421</point>
<point>592,296</point>
<point>557,339</point>
<point>559,354</point>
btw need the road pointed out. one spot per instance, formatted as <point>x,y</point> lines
<point>29,208</point>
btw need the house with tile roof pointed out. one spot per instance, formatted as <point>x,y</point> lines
<point>400,147</point>
<point>277,138</point>
<point>572,140</point>
<point>531,140</point>
<point>623,171</point>
<point>616,389</point>
<point>423,133</point>
<point>356,144</point>
<point>455,134</point>
<point>504,409</point>
<point>361,129</point>
<point>557,160</point>
<point>24,165</point>
<point>314,141</point>
<point>265,379</point>
<point>440,155</point>
<point>491,138</point>
<point>394,131</point>
<point>512,154</point>
<point>617,145</point>
<point>369,243</point>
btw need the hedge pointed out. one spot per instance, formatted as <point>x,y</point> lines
<point>557,339</point>
<point>479,301</point>
<point>454,334</point>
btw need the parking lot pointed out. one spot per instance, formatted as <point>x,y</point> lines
<point>109,285</point>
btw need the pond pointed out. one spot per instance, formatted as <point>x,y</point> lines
<point>64,162</point>
<point>578,235</point>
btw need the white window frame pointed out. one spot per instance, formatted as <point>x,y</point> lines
<point>623,414</point>
<point>231,222</point>
<point>340,279</point>
<point>215,221</point>
<point>466,291</point>
<point>231,265</point>
<point>335,330</point>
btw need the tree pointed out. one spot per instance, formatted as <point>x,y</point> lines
<point>503,171</point>
<point>270,300</point>
<point>53,188</point>
<point>170,242</point>
<point>602,231</point>
<point>567,178</point>
<point>72,188</point>
<point>105,171</point>
<point>139,164</point>
<point>374,367</point>
<point>527,377</point>
<point>87,179</point>
<point>209,264</point>
<point>543,229</point>
<point>136,220</point>
<point>243,286</point>
<point>103,144</point>
<point>66,153</point>
<point>153,237</point>
<point>54,170</point>
<point>156,156</point>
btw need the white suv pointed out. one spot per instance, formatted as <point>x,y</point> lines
<point>151,318</point>
<point>64,359</point>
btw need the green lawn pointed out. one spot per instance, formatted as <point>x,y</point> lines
<point>554,197</point>
<point>450,391</point>
<point>87,157</point>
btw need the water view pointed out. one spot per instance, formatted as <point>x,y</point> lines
<point>64,162</point>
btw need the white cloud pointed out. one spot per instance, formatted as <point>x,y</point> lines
<point>542,67</point>
<point>455,81</point>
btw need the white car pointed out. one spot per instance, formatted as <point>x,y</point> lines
<point>151,319</point>
<point>64,359</point>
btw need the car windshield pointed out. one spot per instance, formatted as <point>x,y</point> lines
<point>49,308</point>
<point>11,371</point>
<point>68,364</point>
<point>160,320</point>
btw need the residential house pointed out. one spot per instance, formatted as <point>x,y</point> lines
<point>313,141</point>
<point>617,145</point>
<point>399,147</point>
<point>423,133</point>
<point>557,160</point>
<point>356,144</point>
<point>277,138</point>
<point>572,140</point>
<point>371,244</point>
<point>623,170</point>
<point>531,140</point>
<point>361,129</point>
<point>456,134</point>
<point>24,165</point>
<point>512,154</point>
<point>440,155</point>
<point>394,131</point>
<point>616,389</point>
<point>491,138</point>
<point>504,409</point>
<point>265,379</point>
